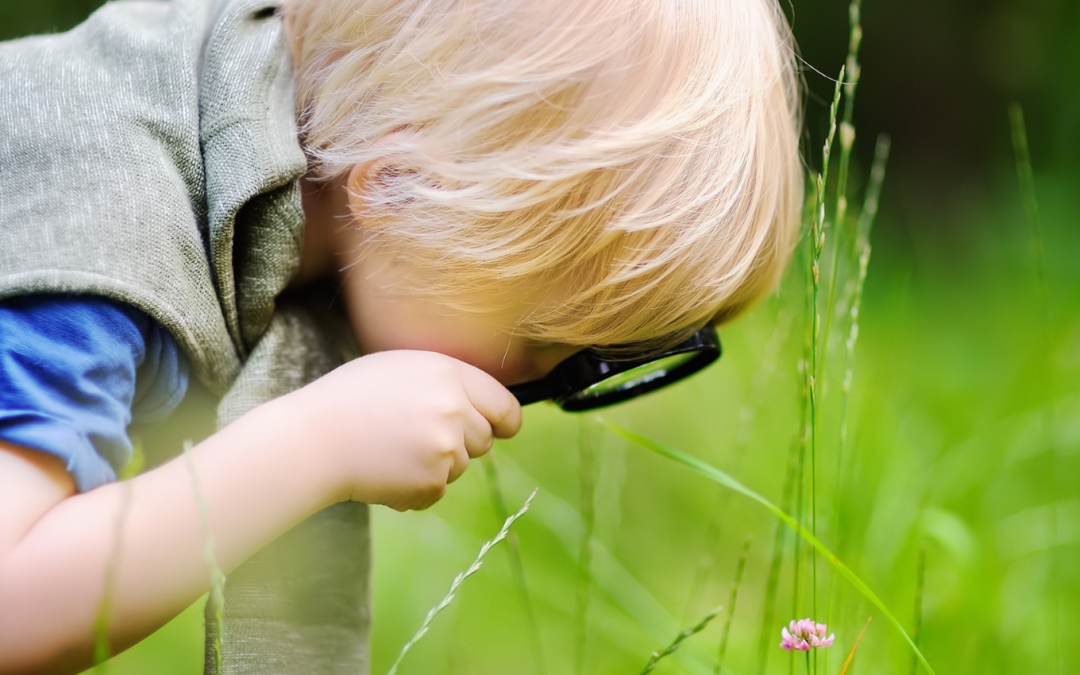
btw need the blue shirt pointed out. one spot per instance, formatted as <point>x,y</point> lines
<point>75,371</point>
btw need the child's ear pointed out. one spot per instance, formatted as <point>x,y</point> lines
<point>373,179</point>
<point>358,187</point>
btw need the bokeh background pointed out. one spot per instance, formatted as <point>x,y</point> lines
<point>962,459</point>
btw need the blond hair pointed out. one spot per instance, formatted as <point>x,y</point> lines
<point>641,156</point>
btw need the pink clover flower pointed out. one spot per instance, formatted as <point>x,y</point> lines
<point>804,635</point>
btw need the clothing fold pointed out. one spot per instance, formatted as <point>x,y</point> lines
<point>302,604</point>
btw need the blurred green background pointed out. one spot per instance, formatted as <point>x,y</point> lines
<point>963,425</point>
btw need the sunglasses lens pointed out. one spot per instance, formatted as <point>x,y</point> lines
<point>639,377</point>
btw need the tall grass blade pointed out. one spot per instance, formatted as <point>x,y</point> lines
<point>722,478</point>
<point>1030,202</point>
<point>847,143</point>
<point>513,553</point>
<point>920,584</point>
<point>739,569</point>
<point>671,648</point>
<point>873,189</point>
<point>102,650</point>
<point>456,583</point>
<point>817,241</point>
<point>800,450</point>
<point>851,654</point>
<point>863,230</point>
<point>138,460</point>
<point>217,577</point>
<point>773,583</point>
<point>587,478</point>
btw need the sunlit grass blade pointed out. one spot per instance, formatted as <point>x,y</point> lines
<point>739,569</point>
<point>671,648</point>
<point>722,478</point>
<point>471,570</point>
<point>920,584</point>
<point>513,552</point>
<point>217,577</point>
<point>851,654</point>
<point>587,481</point>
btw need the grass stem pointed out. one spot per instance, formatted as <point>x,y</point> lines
<point>863,231</point>
<point>851,655</point>
<point>739,568</point>
<point>920,584</point>
<point>102,650</point>
<point>456,583</point>
<point>217,577</point>
<point>671,648</point>
<point>1029,199</point>
<point>773,581</point>
<point>847,142</point>
<point>587,483</point>
<point>817,241</point>
<point>513,552</point>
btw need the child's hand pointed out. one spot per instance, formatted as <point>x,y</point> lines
<point>398,426</point>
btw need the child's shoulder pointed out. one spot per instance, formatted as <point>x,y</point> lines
<point>131,147</point>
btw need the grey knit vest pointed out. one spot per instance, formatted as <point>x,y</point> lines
<point>150,155</point>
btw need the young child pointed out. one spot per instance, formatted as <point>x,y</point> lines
<point>493,185</point>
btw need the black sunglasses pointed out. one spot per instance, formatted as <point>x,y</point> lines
<point>586,380</point>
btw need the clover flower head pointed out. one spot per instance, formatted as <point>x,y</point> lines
<point>804,635</point>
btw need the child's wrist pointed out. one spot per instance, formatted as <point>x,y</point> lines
<point>291,425</point>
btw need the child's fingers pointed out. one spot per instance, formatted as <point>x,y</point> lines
<point>478,434</point>
<point>492,400</point>
<point>460,461</point>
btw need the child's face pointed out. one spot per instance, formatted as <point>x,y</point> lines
<point>387,314</point>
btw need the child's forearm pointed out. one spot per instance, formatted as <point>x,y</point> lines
<point>256,482</point>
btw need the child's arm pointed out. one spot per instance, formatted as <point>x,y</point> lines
<point>391,428</point>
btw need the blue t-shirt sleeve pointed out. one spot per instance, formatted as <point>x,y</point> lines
<point>75,371</point>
